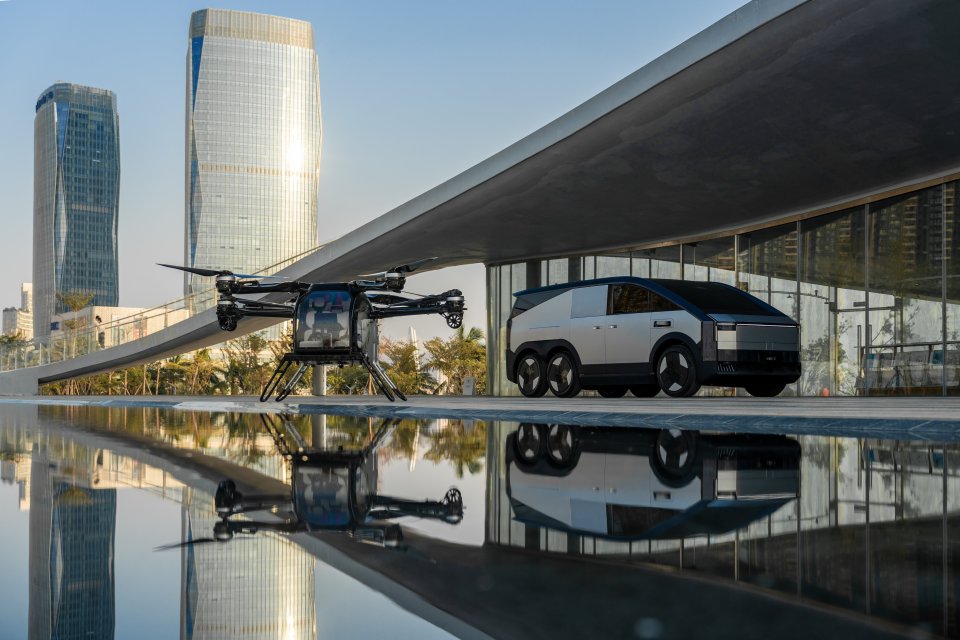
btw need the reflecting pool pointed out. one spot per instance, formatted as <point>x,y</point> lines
<point>151,523</point>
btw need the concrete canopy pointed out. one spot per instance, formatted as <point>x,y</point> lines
<point>781,108</point>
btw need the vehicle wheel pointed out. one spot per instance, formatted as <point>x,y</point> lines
<point>645,390</point>
<point>528,442</point>
<point>562,375</point>
<point>226,497</point>
<point>674,456</point>
<point>677,372</point>
<point>612,392</point>
<point>453,506</point>
<point>765,389</point>
<point>562,444</point>
<point>530,376</point>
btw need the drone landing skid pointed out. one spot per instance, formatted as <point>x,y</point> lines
<point>276,383</point>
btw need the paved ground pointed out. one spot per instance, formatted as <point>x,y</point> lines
<point>918,418</point>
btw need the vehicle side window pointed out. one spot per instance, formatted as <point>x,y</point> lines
<point>630,298</point>
<point>589,302</point>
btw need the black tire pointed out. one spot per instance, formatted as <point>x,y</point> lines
<point>677,372</point>
<point>563,378</point>
<point>674,457</point>
<point>612,392</point>
<point>528,443</point>
<point>645,390</point>
<point>563,445</point>
<point>531,376</point>
<point>765,389</point>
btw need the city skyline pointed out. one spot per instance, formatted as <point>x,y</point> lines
<point>412,96</point>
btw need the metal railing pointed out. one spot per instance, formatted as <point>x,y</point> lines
<point>78,337</point>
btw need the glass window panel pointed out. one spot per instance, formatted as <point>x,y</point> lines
<point>905,280</point>
<point>558,271</point>
<point>833,320</point>
<point>710,261</point>
<point>664,262</point>
<point>610,266</point>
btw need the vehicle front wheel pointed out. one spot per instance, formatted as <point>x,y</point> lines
<point>677,372</point>
<point>765,389</point>
<point>645,390</point>
<point>562,375</point>
<point>530,376</point>
<point>612,392</point>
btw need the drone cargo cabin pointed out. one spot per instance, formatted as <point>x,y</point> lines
<point>643,335</point>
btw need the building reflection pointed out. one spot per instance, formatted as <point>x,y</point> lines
<point>254,588</point>
<point>869,528</point>
<point>72,525</point>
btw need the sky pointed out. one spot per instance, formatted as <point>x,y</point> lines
<point>412,93</point>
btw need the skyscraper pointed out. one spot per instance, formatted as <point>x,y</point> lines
<point>252,141</point>
<point>76,191</point>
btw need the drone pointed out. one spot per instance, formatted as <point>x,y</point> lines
<point>333,322</point>
<point>332,490</point>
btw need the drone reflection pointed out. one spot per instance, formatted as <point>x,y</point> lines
<point>332,489</point>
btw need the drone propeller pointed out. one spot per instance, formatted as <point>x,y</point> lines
<point>222,272</point>
<point>403,268</point>
<point>185,543</point>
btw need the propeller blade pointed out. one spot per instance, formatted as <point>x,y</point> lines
<point>381,274</point>
<point>413,266</point>
<point>185,543</point>
<point>196,270</point>
<point>245,276</point>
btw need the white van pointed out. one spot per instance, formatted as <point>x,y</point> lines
<point>647,336</point>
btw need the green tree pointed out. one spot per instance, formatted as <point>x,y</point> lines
<point>349,379</point>
<point>463,354</point>
<point>246,372</point>
<point>403,367</point>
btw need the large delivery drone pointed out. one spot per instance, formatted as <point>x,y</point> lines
<point>333,322</point>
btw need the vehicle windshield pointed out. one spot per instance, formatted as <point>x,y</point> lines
<point>712,297</point>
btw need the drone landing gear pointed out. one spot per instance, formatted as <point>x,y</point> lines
<point>277,384</point>
<point>382,380</point>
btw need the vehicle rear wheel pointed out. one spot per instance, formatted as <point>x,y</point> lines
<point>562,375</point>
<point>528,442</point>
<point>765,389</point>
<point>530,376</point>
<point>677,372</point>
<point>612,392</point>
<point>645,390</point>
<point>562,443</point>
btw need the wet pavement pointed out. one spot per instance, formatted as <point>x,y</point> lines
<point>151,522</point>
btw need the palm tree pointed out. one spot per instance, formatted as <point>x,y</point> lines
<point>464,354</point>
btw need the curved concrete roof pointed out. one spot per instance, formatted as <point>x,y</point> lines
<point>781,108</point>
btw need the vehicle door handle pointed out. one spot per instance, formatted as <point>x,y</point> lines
<point>612,326</point>
<point>597,327</point>
<point>661,323</point>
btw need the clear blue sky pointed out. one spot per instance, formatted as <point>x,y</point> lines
<point>412,93</point>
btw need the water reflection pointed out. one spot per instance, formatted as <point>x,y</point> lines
<point>859,523</point>
<point>636,484</point>
<point>332,489</point>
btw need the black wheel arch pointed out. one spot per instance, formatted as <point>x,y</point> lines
<point>671,339</point>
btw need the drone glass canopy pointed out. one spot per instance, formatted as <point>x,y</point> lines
<point>323,321</point>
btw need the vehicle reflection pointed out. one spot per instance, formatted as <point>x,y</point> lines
<point>331,490</point>
<point>638,484</point>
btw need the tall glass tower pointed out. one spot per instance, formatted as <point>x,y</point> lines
<point>252,143</point>
<point>76,194</point>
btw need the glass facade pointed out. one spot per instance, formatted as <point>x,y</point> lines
<point>876,288</point>
<point>76,199</point>
<point>252,142</point>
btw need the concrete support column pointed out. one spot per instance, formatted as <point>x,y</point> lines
<point>320,380</point>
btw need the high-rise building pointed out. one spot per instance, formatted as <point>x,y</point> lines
<point>252,141</point>
<point>75,199</point>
